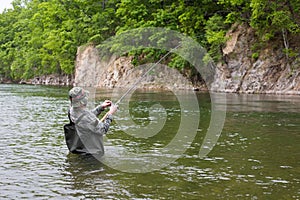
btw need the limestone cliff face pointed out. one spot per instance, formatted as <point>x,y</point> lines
<point>269,73</point>
<point>91,71</point>
<point>240,72</point>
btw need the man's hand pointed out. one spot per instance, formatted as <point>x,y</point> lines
<point>113,109</point>
<point>106,104</point>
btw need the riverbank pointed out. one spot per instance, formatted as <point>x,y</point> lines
<point>245,68</point>
<point>54,80</point>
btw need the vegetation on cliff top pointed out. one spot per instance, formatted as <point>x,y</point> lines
<point>39,37</point>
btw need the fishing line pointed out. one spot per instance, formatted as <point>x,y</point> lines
<point>144,75</point>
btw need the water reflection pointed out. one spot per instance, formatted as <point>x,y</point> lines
<point>263,103</point>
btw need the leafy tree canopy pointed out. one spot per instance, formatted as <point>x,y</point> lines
<point>42,36</point>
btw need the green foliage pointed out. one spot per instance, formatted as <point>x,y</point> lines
<point>41,37</point>
<point>215,34</point>
<point>236,10</point>
<point>291,53</point>
<point>270,17</point>
<point>255,55</point>
<point>178,63</point>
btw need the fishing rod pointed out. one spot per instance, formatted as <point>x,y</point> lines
<point>144,75</point>
<point>141,78</point>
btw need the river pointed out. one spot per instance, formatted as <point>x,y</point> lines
<point>256,155</point>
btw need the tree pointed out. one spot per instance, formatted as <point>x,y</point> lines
<point>42,36</point>
<point>274,18</point>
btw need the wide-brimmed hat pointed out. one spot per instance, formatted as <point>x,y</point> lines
<point>78,96</point>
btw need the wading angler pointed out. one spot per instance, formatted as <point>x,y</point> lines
<point>84,133</point>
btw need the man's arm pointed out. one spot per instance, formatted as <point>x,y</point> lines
<point>97,111</point>
<point>104,126</point>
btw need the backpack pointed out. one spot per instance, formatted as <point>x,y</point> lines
<point>73,141</point>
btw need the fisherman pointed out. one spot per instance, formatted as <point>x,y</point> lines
<point>84,133</point>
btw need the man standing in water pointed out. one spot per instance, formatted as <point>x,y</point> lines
<point>84,134</point>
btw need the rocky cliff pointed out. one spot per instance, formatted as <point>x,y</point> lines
<point>52,79</point>
<point>241,72</point>
<point>246,68</point>
<point>270,72</point>
<point>91,71</point>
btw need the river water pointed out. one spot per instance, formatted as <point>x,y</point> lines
<point>256,156</point>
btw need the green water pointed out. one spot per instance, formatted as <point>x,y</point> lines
<point>255,157</point>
